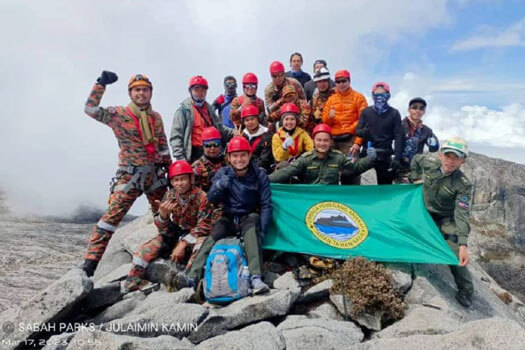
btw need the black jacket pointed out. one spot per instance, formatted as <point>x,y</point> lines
<point>381,130</point>
<point>303,78</point>
<point>262,155</point>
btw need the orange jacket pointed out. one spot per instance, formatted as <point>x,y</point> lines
<point>348,107</point>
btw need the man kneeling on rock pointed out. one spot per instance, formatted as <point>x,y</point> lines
<point>447,194</point>
<point>185,221</point>
<point>244,191</point>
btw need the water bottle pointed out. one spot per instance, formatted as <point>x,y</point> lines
<point>245,273</point>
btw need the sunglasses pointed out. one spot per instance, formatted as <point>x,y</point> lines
<point>230,84</point>
<point>215,144</point>
<point>342,81</point>
<point>417,107</point>
<point>250,86</point>
<point>277,75</point>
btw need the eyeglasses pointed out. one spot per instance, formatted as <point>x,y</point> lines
<point>215,144</point>
<point>250,86</point>
<point>417,107</point>
<point>342,81</point>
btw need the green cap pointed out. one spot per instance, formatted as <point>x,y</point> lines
<point>456,145</point>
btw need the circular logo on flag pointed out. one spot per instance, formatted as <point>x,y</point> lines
<point>336,224</point>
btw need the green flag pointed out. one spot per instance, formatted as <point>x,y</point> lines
<point>381,223</point>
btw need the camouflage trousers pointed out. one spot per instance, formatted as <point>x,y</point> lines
<point>119,204</point>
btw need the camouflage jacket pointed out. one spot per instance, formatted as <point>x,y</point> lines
<point>446,196</point>
<point>273,93</point>
<point>316,107</point>
<point>132,150</point>
<point>237,105</point>
<point>204,169</point>
<point>313,170</point>
<point>194,216</point>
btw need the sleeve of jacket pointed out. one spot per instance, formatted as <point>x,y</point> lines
<point>359,167</point>
<point>326,111</point>
<point>361,105</point>
<point>265,200</point>
<point>434,148</point>
<point>361,125</point>
<point>93,109</point>
<point>308,143</point>
<point>279,154</point>
<point>163,156</point>
<point>215,193</point>
<point>398,136</point>
<point>271,105</point>
<point>226,132</point>
<point>462,212</point>
<point>416,167</point>
<point>265,160</point>
<point>203,226</point>
<point>283,175</point>
<point>300,91</point>
<point>180,121</point>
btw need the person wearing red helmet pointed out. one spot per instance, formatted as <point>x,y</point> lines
<point>323,165</point>
<point>273,93</point>
<point>184,222</point>
<point>341,111</point>
<point>381,126</point>
<point>212,160</point>
<point>290,141</point>
<point>143,158</point>
<point>193,115</point>
<point>222,104</point>
<point>249,98</point>
<point>243,190</point>
<point>258,136</point>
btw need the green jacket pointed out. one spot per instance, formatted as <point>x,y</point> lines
<point>447,197</point>
<point>312,170</point>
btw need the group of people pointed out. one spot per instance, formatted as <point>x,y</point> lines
<point>226,154</point>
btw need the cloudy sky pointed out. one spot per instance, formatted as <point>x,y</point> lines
<point>465,57</point>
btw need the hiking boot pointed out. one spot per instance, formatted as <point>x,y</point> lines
<point>89,266</point>
<point>258,286</point>
<point>179,281</point>
<point>134,280</point>
<point>465,300</point>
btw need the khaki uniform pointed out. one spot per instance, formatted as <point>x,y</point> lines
<point>313,170</point>
<point>447,199</point>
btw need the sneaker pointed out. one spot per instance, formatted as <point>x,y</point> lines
<point>465,300</point>
<point>180,281</point>
<point>258,286</point>
<point>89,266</point>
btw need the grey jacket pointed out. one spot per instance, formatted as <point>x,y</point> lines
<point>182,128</point>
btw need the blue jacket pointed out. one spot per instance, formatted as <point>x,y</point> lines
<point>245,195</point>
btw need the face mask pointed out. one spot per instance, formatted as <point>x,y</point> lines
<point>381,102</point>
<point>199,102</point>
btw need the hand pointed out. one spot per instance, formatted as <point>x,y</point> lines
<point>237,130</point>
<point>431,141</point>
<point>332,113</point>
<point>219,100</point>
<point>371,153</point>
<point>354,150</point>
<point>395,164</point>
<point>288,142</point>
<point>317,114</point>
<point>165,208</point>
<point>179,252</point>
<point>463,255</point>
<point>276,96</point>
<point>224,182</point>
<point>107,77</point>
<point>420,181</point>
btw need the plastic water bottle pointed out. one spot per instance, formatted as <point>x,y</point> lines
<point>245,273</point>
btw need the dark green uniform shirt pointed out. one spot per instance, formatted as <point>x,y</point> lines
<point>313,170</point>
<point>447,197</point>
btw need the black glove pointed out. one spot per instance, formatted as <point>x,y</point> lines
<point>395,164</point>
<point>106,78</point>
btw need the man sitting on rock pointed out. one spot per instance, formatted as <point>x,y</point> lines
<point>447,193</point>
<point>244,191</point>
<point>211,161</point>
<point>185,221</point>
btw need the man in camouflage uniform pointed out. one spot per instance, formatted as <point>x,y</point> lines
<point>143,157</point>
<point>447,193</point>
<point>184,222</point>
<point>273,93</point>
<point>289,95</point>
<point>249,98</point>
<point>213,159</point>
<point>323,165</point>
<point>319,97</point>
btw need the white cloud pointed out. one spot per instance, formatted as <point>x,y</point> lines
<point>514,35</point>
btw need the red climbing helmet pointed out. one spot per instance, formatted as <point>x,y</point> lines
<point>322,128</point>
<point>237,144</point>
<point>249,111</point>
<point>210,133</point>
<point>198,80</point>
<point>276,67</point>
<point>289,108</point>
<point>250,78</point>
<point>179,167</point>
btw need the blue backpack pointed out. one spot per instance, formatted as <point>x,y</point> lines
<point>226,275</point>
